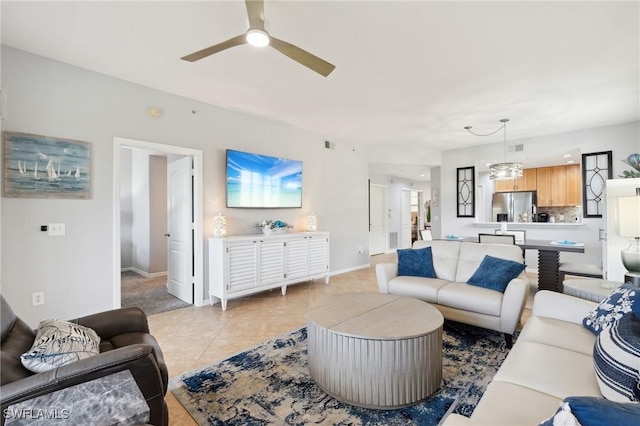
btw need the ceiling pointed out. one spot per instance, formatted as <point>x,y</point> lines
<point>409,75</point>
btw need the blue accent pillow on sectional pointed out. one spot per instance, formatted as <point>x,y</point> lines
<point>495,273</point>
<point>616,358</point>
<point>416,263</point>
<point>592,411</point>
<point>614,306</point>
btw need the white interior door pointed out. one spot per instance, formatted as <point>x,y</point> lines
<point>377,211</point>
<point>180,274</point>
<point>405,219</point>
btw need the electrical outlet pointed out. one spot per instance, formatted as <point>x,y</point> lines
<point>56,229</point>
<point>38,298</point>
<point>359,249</point>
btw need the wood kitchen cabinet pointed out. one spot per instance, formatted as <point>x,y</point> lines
<point>574,185</point>
<point>558,186</point>
<point>527,182</point>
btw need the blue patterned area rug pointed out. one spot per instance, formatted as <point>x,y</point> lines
<point>270,384</point>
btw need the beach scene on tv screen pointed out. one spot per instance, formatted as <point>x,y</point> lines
<point>255,180</point>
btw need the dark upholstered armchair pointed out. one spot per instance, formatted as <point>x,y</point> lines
<point>125,345</point>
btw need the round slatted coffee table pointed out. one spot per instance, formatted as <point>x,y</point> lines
<point>375,350</point>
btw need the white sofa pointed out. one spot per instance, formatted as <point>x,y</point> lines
<point>551,360</point>
<point>454,263</point>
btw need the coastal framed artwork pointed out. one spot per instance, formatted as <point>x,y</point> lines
<point>38,166</point>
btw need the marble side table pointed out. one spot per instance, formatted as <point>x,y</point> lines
<point>375,350</point>
<point>110,400</point>
<point>594,290</point>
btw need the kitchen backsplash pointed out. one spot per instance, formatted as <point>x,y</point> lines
<point>563,214</point>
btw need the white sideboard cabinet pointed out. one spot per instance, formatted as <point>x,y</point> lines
<point>243,265</point>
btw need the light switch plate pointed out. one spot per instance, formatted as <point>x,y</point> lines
<point>56,229</point>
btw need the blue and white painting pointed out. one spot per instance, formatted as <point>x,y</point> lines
<point>255,180</point>
<point>45,167</point>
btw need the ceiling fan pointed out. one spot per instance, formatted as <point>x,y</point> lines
<point>258,36</point>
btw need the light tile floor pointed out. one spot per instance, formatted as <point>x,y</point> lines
<point>192,337</point>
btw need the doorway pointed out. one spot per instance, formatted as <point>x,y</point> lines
<point>186,263</point>
<point>377,219</point>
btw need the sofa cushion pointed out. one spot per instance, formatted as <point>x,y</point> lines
<point>555,371</point>
<point>591,411</point>
<point>558,333</point>
<point>421,288</point>
<point>616,356</point>
<point>495,273</point>
<point>445,257</point>
<point>507,404</point>
<point>416,263</point>
<point>59,343</point>
<point>472,254</point>
<point>471,298</point>
<point>612,308</point>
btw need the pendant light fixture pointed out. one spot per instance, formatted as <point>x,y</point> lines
<point>506,169</point>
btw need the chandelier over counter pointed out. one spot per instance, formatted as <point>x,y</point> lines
<point>505,170</point>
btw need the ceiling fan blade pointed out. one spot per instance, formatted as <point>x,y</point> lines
<point>301,56</point>
<point>232,42</point>
<point>255,11</point>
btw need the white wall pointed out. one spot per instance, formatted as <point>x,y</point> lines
<point>395,186</point>
<point>76,272</point>
<point>126,210</point>
<point>140,229</point>
<point>622,140</point>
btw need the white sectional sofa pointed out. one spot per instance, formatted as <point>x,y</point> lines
<point>454,263</point>
<point>551,360</point>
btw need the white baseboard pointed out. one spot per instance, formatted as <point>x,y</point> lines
<point>355,268</point>
<point>143,273</point>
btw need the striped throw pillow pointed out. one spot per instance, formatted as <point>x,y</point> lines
<point>616,357</point>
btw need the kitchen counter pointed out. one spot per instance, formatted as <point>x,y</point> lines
<point>517,225</point>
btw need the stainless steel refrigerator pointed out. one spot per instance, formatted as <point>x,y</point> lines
<point>515,205</point>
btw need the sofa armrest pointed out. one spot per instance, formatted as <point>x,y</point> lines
<point>115,322</point>
<point>561,306</point>
<point>138,359</point>
<point>384,273</point>
<point>513,301</point>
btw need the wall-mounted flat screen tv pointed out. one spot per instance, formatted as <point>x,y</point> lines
<point>261,181</point>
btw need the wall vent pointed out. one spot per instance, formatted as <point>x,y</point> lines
<point>329,145</point>
<point>393,240</point>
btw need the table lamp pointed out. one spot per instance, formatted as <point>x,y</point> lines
<point>629,227</point>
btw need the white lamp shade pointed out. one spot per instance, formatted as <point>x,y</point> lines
<point>312,222</point>
<point>629,217</point>
<point>219,226</point>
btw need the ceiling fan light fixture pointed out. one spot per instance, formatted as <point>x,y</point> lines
<point>257,37</point>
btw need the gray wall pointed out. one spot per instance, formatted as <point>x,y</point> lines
<point>77,272</point>
<point>158,214</point>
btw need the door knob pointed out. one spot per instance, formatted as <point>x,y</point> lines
<point>167,235</point>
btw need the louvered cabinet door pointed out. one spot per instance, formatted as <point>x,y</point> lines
<point>242,266</point>
<point>318,255</point>
<point>296,258</point>
<point>271,262</point>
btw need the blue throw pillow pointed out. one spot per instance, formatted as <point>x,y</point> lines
<point>614,306</point>
<point>495,273</point>
<point>592,411</point>
<point>616,358</point>
<point>416,263</point>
